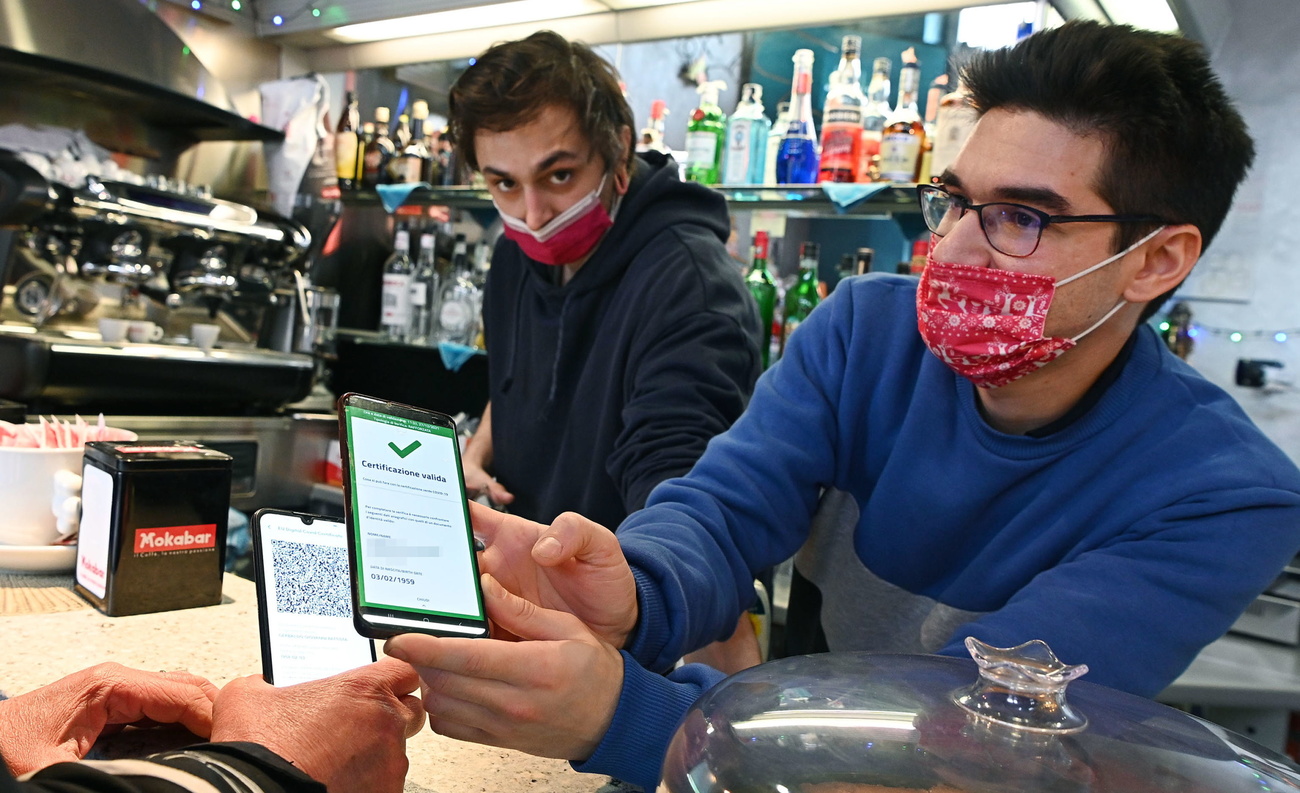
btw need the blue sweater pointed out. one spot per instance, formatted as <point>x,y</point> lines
<point>1127,540</point>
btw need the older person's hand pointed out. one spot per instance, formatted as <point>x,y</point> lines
<point>60,722</point>
<point>348,731</point>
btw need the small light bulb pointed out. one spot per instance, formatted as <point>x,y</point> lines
<point>236,5</point>
<point>196,4</point>
<point>1193,332</point>
<point>1164,326</point>
<point>277,20</point>
<point>1234,336</point>
<point>1279,336</point>
<point>315,12</point>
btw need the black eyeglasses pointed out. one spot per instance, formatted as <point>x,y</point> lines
<point>1012,229</point>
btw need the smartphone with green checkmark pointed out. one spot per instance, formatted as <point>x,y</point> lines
<point>410,542</point>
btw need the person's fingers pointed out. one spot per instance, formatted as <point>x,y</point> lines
<point>390,674</point>
<point>526,619</point>
<point>487,522</point>
<point>475,703</point>
<point>209,688</point>
<point>572,536</point>
<point>413,714</point>
<point>133,696</point>
<point>499,494</point>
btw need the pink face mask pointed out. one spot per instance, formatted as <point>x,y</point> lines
<point>569,236</point>
<point>987,324</point>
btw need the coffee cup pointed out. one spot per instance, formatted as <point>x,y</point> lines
<point>142,330</point>
<point>203,335</point>
<point>112,329</point>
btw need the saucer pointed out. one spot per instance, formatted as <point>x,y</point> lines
<point>38,558</point>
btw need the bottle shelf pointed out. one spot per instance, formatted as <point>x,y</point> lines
<point>898,198</point>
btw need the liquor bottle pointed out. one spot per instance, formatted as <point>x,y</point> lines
<point>705,134</point>
<point>920,255</point>
<point>842,117</point>
<point>803,297</point>
<point>953,124</point>
<point>747,132</point>
<point>378,151</point>
<point>396,171</point>
<point>904,134</point>
<point>774,138</point>
<point>652,135</point>
<point>424,291</point>
<point>346,144</point>
<point>864,258</point>
<point>395,295</point>
<point>796,163</point>
<point>460,301</point>
<point>402,135</point>
<point>938,87</point>
<point>409,164</point>
<point>763,288</point>
<point>875,113</point>
<point>431,172</point>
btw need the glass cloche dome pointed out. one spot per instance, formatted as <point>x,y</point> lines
<point>878,723</point>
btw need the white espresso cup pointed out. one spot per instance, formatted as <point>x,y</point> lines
<point>112,329</point>
<point>40,490</point>
<point>142,330</point>
<point>204,335</point>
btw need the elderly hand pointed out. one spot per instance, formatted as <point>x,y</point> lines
<point>348,731</point>
<point>552,696</point>
<point>61,722</point>
<point>574,565</point>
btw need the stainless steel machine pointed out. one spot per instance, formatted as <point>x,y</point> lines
<point>162,253</point>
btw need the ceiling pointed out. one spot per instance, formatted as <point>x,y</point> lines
<point>313,26</point>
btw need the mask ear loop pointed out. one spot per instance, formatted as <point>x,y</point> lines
<point>1121,303</point>
<point>1105,262</point>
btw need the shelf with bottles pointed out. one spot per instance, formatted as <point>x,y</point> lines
<point>897,198</point>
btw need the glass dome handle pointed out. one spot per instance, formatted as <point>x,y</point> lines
<point>1022,687</point>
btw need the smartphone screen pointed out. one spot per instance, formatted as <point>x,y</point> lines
<point>412,545</point>
<point>304,598</point>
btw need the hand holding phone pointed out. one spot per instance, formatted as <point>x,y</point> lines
<point>304,603</point>
<point>410,543</point>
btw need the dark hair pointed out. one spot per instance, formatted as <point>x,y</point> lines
<point>1176,147</point>
<point>510,84</point>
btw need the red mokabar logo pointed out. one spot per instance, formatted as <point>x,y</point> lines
<point>175,538</point>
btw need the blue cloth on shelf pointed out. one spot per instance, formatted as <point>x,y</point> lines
<point>393,196</point>
<point>845,195</point>
<point>239,538</point>
<point>454,355</point>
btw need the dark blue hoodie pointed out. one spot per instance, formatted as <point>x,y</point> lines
<point>607,385</point>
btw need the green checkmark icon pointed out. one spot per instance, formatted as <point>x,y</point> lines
<point>404,452</point>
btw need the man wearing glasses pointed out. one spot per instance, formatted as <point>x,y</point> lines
<point>1003,450</point>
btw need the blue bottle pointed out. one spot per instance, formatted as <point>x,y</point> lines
<point>798,160</point>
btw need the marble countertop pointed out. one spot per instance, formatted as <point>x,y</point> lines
<point>221,643</point>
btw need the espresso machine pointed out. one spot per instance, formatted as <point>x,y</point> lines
<point>164,253</point>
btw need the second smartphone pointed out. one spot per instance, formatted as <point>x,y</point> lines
<point>410,542</point>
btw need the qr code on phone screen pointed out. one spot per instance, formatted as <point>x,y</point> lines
<point>311,579</point>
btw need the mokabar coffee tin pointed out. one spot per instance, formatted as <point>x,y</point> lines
<point>153,526</point>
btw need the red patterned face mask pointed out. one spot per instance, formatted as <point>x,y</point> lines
<point>987,325</point>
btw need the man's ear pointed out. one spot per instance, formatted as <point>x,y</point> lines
<point>1167,261</point>
<point>622,171</point>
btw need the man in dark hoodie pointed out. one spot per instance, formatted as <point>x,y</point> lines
<point>619,333</point>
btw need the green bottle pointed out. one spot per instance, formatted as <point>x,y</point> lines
<point>763,288</point>
<point>803,297</point>
<point>705,134</point>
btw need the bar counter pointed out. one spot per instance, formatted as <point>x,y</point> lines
<point>221,643</point>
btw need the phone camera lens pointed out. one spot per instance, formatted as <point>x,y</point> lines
<point>308,519</point>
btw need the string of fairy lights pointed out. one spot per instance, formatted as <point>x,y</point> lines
<point>1236,336</point>
<point>240,6</point>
